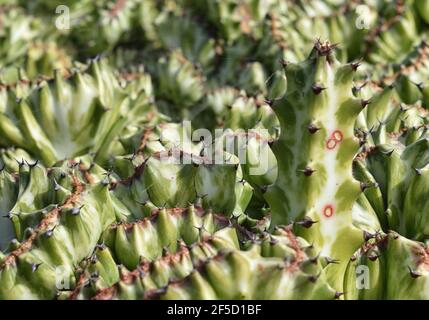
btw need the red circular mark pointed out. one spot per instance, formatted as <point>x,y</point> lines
<point>335,138</point>
<point>337,135</point>
<point>331,144</point>
<point>328,211</point>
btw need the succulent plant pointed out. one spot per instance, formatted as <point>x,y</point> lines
<point>18,29</point>
<point>68,116</point>
<point>394,263</point>
<point>202,258</point>
<point>57,221</point>
<point>200,149</point>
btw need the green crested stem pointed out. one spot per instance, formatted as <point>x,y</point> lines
<point>290,258</point>
<point>315,186</point>
<point>44,125</point>
<point>146,239</point>
<point>388,266</point>
<point>400,176</point>
<point>49,239</point>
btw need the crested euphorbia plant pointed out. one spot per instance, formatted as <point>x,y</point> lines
<point>156,149</point>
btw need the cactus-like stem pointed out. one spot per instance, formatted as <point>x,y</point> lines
<point>388,266</point>
<point>199,271</point>
<point>315,153</point>
<point>57,238</point>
